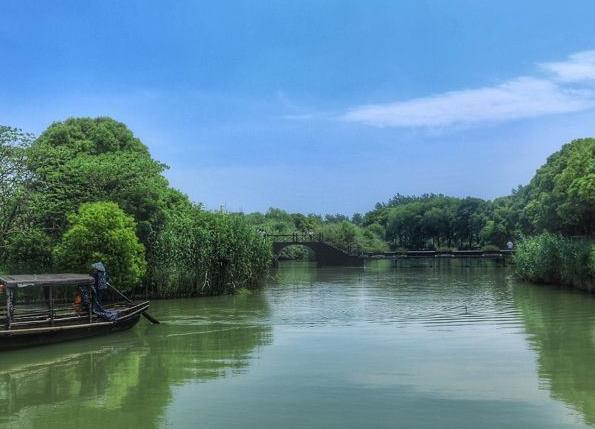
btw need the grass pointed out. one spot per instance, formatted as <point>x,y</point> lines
<point>554,259</point>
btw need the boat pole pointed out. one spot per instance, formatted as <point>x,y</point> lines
<point>129,301</point>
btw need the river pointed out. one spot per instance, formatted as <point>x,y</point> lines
<point>451,346</point>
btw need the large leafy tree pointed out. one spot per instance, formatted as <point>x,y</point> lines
<point>96,159</point>
<point>561,196</point>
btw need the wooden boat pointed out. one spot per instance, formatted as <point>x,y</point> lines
<point>64,316</point>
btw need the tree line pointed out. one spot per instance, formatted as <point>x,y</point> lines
<point>560,199</point>
<point>551,221</point>
<point>87,189</point>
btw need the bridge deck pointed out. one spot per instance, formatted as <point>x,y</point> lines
<point>314,241</point>
<point>416,254</point>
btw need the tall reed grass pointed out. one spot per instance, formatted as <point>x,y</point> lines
<point>555,259</point>
<point>205,253</point>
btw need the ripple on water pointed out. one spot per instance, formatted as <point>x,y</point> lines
<point>400,298</point>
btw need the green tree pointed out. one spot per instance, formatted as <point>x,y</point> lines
<point>95,159</point>
<point>468,221</point>
<point>28,250</point>
<point>102,231</point>
<point>561,196</point>
<point>14,176</point>
<point>493,233</point>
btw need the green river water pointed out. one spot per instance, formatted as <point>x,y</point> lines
<point>453,346</point>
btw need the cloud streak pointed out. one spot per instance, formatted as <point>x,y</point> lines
<point>568,87</point>
<point>579,66</point>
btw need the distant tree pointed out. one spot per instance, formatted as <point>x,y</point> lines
<point>494,233</point>
<point>303,223</point>
<point>357,218</point>
<point>335,218</point>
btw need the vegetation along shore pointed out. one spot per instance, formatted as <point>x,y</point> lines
<point>87,189</point>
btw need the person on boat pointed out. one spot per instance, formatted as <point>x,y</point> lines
<point>99,273</point>
<point>78,301</point>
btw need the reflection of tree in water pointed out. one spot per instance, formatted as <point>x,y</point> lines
<point>561,326</point>
<point>296,273</point>
<point>126,379</point>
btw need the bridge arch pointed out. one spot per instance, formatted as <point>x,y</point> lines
<point>324,253</point>
<point>304,250</point>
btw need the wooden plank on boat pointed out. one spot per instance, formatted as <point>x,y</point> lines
<point>26,280</point>
<point>12,332</point>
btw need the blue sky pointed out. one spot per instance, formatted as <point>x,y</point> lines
<point>312,106</point>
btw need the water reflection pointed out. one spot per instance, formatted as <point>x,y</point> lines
<point>446,345</point>
<point>126,379</point>
<point>561,328</point>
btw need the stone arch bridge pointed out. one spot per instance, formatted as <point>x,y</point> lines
<point>325,254</point>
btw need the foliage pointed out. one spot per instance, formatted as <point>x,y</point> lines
<point>336,229</point>
<point>560,199</point>
<point>88,189</point>
<point>192,252</point>
<point>490,248</point>
<point>552,258</point>
<point>433,221</point>
<point>85,160</point>
<point>352,238</point>
<point>102,232</point>
<point>28,250</point>
<point>204,253</point>
<point>561,196</point>
<point>13,179</point>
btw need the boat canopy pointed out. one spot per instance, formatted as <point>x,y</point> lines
<point>27,280</point>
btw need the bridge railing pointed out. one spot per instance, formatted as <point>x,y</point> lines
<point>295,237</point>
<point>438,254</point>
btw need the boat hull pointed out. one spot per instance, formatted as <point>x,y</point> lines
<point>18,339</point>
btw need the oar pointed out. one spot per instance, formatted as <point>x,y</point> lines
<point>147,315</point>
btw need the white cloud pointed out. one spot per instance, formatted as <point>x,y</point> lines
<point>522,97</point>
<point>580,66</point>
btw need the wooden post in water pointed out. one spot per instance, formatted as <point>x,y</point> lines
<point>51,305</point>
<point>90,305</point>
<point>9,306</point>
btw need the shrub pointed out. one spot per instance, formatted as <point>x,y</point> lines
<point>102,232</point>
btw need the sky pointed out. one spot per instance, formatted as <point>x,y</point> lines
<point>312,106</point>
